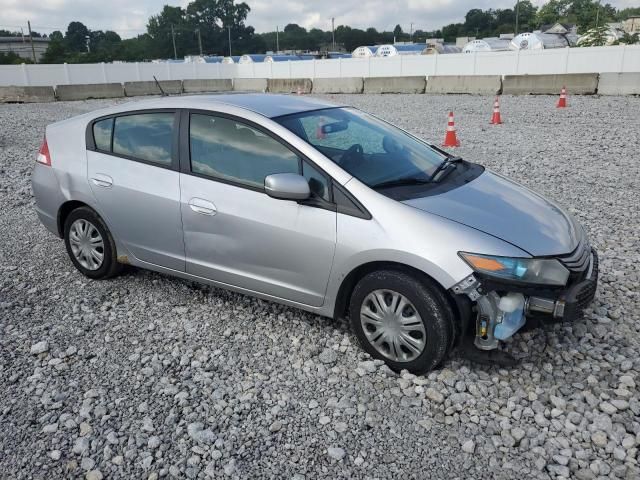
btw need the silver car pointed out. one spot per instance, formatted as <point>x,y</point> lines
<point>317,206</point>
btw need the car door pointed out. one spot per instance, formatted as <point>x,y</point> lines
<point>133,172</point>
<point>234,232</point>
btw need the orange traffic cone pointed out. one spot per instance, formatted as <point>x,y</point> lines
<point>495,119</point>
<point>450,139</point>
<point>562,101</point>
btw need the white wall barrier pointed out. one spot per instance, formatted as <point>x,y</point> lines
<point>616,59</point>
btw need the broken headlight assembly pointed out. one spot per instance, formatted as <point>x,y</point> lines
<point>536,271</point>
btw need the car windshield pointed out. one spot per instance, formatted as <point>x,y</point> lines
<point>373,151</point>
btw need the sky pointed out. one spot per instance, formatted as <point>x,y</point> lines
<point>129,18</point>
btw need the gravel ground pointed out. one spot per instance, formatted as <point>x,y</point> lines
<point>146,376</point>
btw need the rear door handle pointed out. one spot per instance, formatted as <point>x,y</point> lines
<point>203,207</point>
<point>102,180</point>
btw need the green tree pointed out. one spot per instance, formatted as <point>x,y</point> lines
<point>629,39</point>
<point>162,27</point>
<point>76,37</point>
<point>478,21</point>
<point>625,13</point>
<point>216,19</point>
<point>526,15</point>
<point>453,30</point>
<point>12,58</point>
<point>595,37</point>
<point>552,11</point>
<point>56,50</point>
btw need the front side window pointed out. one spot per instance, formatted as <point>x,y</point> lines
<point>145,136</point>
<point>223,148</point>
<point>369,149</point>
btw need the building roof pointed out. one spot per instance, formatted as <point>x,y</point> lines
<point>26,39</point>
<point>557,27</point>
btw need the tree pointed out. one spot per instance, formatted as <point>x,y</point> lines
<point>552,11</point>
<point>76,37</point>
<point>625,13</point>
<point>397,32</point>
<point>526,15</point>
<point>56,51</point>
<point>477,21</point>
<point>12,58</point>
<point>450,32</point>
<point>629,39</point>
<point>162,27</point>
<point>216,19</point>
<point>595,37</point>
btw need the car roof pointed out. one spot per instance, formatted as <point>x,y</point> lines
<point>266,104</point>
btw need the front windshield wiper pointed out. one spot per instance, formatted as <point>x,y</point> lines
<point>450,160</point>
<point>401,182</point>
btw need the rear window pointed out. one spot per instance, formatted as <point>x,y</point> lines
<point>102,134</point>
<point>145,136</point>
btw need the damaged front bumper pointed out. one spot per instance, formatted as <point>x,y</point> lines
<point>502,307</point>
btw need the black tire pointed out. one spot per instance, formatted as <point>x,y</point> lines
<point>109,267</point>
<point>434,309</point>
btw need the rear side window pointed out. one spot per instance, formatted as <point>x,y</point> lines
<point>102,134</point>
<point>229,150</point>
<point>145,136</point>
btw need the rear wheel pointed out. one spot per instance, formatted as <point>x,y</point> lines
<point>90,244</point>
<point>401,319</point>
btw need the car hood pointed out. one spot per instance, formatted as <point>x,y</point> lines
<point>504,209</point>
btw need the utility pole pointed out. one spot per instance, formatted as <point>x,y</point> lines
<point>411,33</point>
<point>333,34</point>
<point>277,39</point>
<point>229,28</point>
<point>87,39</point>
<point>199,40</point>
<point>33,49</point>
<point>598,15</point>
<point>517,15</point>
<point>173,38</point>
<point>22,33</point>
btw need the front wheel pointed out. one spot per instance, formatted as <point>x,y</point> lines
<point>90,245</point>
<point>401,319</point>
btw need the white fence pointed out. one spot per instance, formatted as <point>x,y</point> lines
<point>554,61</point>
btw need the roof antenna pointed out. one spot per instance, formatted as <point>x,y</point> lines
<point>164,94</point>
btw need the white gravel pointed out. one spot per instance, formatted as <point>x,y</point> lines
<point>146,376</point>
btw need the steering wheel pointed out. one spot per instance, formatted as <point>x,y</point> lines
<point>353,153</point>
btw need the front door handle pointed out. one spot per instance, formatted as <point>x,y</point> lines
<point>203,207</point>
<point>102,180</point>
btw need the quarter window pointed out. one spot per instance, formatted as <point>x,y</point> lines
<point>102,134</point>
<point>318,183</point>
<point>229,150</point>
<point>145,136</point>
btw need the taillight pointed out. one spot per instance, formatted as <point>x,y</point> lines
<point>43,154</point>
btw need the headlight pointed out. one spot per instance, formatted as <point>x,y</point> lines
<point>541,271</point>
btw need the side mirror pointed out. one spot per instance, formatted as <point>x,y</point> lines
<point>287,186</point>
